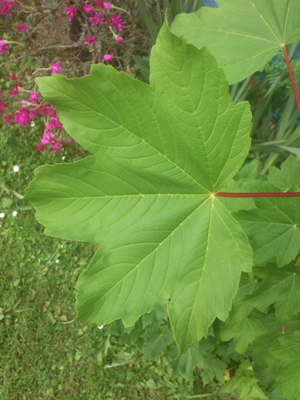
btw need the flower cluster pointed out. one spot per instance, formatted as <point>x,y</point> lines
<point>27,104</point>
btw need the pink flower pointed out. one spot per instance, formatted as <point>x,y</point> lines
<point>7,119</point>
<point>43,110</point>
<point>54,123</point>
<point>51,111</point>
<point>47,138</point>
<point>69,141</point>
<point>108,57</point>
<point>89,40</point>
<point>99,4</point>
<point>55,68</point>
<point>3,47</point>
<point>22,27</point>
<point>22,117</point>
<point>47,128</point>
<point>40,147</point>
<point>13,78</point>
<point>88,9</point>
<point>56,146</point>
<point>107,5</point>
<point>2,104</point>
<point>14,92</point>
<point>33,112</point>
<point>71,11</point>
<point>116,22</point>
<point>97,19</point>
<point>119,39</point>
<point>5,9</point>
<point>33,97</point>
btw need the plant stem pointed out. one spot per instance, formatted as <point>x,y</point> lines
<point>289,194</point>
<point>291,77</point>
<point>283,330</point>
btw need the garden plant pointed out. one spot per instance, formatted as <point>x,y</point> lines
<point>198,242</point>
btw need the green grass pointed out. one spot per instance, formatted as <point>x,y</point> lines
<point>42,356</point>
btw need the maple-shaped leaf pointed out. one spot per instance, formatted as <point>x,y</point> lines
<point>287,178</point>
<point>280,286</point>
<point>243,35</point>
<point>239,326</point>
<point>160,152</point>
<point>285,365</point>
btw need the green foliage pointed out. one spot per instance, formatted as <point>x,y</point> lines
<point>149,195</point>
<point>243,35</point>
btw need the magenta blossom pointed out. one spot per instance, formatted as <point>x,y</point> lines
<point>33,97</point>
<point>2,103</point>
<point>69,141</point>
<point>108,57</point>
<point>13,78</point>
<point>107,6</point>
<point>40,147</point>
<point>47,138</point>
<point>88,9</point>
<point>15,92</point>
<point>89,40</point>
<point>7,119</point>
<point>5,9</point>
<point>119,39</point>
<point>116,22</point>
<point>22,27</point>
<point>33,112</point>
<point>22,117</point>
<point>55,68</point>
<point>3,47</point>
<point>97,20</point>
<point>43,110</point>
<point>56,146</point>
<point>51,111</point>
<point>54,123</point>
<point>99,4</point>
<point>71,11</point>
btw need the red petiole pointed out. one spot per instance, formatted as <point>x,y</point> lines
<point>289,194</point>
<point>291,77</point>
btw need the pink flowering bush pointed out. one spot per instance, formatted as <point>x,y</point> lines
<point>35,42</point>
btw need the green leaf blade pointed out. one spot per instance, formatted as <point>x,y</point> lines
<point>147,194</point>
<point>243,35</point>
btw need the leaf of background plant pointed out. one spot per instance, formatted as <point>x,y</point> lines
<point>273,226</point>
<point>280,286</point>
<point>286,178</point>
<point>238,325</point>
<point>157,339</point>
<point>159,152</point>
<point>243,35</point>
<point>285,367</point>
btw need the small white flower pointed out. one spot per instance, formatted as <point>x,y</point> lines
<point>100,327</point>
<point>2,215</point>
<point>16,168</point>
<point>61,245</point>
<point>39,260</point>
<point>57,261</point>
<point>63,158</point>
<point>32,123</point>
<point>14,213</point>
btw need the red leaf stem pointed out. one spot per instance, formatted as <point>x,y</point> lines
<point>283,330</point>
<point>291,77</point>
<point>288,194</point>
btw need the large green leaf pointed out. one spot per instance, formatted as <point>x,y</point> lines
<point>243,35</point>
<point>159,154</point>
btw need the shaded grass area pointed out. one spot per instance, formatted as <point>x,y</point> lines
<point>42,356</point>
